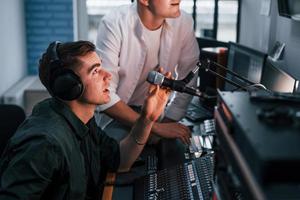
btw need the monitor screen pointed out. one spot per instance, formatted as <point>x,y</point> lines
<point>289,8</point>
<point>246,62</point>
<point>275,79</point>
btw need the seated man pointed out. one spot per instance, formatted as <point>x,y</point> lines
<point>58,152</point>
<point>133,40</point>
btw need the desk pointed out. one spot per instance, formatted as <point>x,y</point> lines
<point>259,158</point>
<point>170,153</point>
<point>120,185</point>
<point>185,175</point>
<point>114,192</point>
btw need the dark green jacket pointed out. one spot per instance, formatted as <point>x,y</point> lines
<point>53,155</point>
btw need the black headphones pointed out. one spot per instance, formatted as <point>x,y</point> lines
<point>63,82</point>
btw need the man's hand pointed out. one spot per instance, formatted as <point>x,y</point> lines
<point>173,130</point>
<point>132,145</point>
<point>153,107</point>
<point>156,101</point>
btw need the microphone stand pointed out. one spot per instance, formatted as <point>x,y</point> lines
<point>205,64</point>
<point>257,95</point>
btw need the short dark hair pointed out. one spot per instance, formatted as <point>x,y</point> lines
<point>68,54</point>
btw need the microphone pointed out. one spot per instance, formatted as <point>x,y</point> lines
<point>157,78</point>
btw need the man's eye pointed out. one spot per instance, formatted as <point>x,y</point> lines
<point>95,71</point>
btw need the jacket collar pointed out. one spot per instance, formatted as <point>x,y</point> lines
<point>79,128</point>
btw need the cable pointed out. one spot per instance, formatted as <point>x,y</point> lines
<point>257,85</point>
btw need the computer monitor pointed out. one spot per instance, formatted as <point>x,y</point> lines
<point>275,79</point>
<point>289,8</point>
<point>246,62</point>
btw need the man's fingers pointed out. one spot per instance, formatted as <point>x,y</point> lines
<point>186,134</point>
<point>188,131</point>
<point>186,137</point>
<point>156,89</point>
<point>185,130</point>
<point>185,140</point>
<point>182,140</point>
<point>168,75</point>
<point>159,69</point>
<point>168,91</point>
<point>183,134</point>
<point>153,90</point>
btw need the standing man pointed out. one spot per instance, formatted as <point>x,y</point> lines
<point>134,40</point>
<point>58,153</point>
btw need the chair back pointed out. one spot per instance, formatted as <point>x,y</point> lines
<point>11,116</point>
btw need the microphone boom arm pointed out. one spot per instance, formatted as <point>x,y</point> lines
<point>223,77</point>
<point>206,66</point>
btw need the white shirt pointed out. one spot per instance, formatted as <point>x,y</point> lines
<point>152,40</point>
<point>122,47</point>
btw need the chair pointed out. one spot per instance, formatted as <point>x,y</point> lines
<point>11,116</point>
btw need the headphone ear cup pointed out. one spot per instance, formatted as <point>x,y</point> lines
<point>66,85</point>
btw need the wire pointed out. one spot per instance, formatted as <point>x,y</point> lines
<point>257,85</point>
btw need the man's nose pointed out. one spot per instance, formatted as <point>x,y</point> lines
<point>107,75</point>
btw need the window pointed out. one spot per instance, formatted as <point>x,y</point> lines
<point>217,19</point>
<point>227,20</point>
<point>96,9</point>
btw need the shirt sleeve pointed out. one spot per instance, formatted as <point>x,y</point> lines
<point>27,167</point>
<point>108,43</point>
<point>189,56</point>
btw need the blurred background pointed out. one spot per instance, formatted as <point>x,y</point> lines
<point>28,26</point>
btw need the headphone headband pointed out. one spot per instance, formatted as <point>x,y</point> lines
<point>55,61</point>
<point>54,46</point>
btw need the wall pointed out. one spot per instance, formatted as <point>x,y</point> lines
<point>13,43</point>
<point>288,31</point>
<point>46,21</point>
<point>261,32</point>
<point>81,21</point>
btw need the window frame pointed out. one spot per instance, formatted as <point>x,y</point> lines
<point>81,19</point>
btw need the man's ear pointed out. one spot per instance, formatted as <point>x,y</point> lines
<point>144,2</point>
